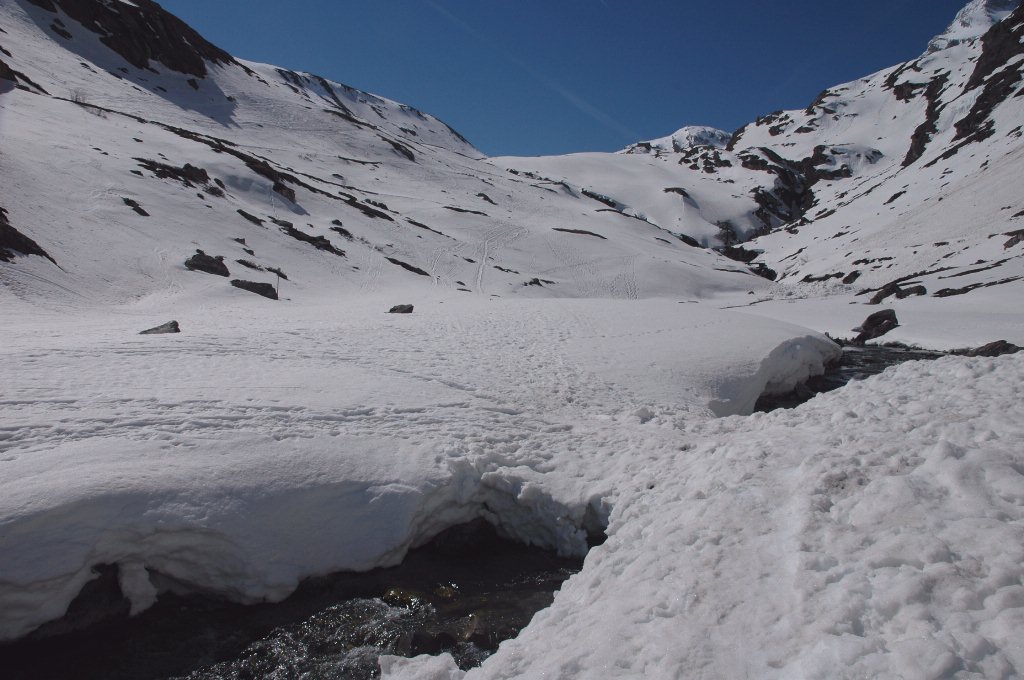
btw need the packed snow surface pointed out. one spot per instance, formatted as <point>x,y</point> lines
<point>266,443</point>
<point>874,532</point>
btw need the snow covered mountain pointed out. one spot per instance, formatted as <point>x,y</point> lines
<point>577,350</point>
<point>904,181</point>
<point>131,143</point>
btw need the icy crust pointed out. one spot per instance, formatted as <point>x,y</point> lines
<point>256,448</point>
<point>876,531</point>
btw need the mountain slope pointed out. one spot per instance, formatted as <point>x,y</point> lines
<point>909,170</point>
<point>126,151</point>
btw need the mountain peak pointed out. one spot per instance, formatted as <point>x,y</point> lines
<point>683,139</point>
<point>972,22</point>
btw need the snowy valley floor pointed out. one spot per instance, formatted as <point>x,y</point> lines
<point>874,532</point>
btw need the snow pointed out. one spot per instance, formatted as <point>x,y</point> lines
<point>876,531</point>
<point>873,532</point>
<point>972,22</point>
<point>259,447</point>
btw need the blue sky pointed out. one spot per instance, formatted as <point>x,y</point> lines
<point>530,77</point>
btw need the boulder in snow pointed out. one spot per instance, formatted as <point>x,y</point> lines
<point>401,309</point>
<point>264,289</point>
<point>876,325</point>
<point>169,327</point>
<point>211,264</point>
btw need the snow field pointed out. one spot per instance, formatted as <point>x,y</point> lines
<point>876,531</point>
<point>267,443</point>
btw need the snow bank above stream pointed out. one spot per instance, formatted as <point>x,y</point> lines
<point>873,532</point>
<point>265,444</point>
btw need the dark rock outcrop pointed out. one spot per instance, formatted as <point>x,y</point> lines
<point>169,327</point>
<point>992,349</point>
<point>318,242</point>
<point>401,309</point>
<point>202,262</point>
<point>13,242</point>
<point>406,266</point>
<point>141,32</point>
<point>264,289</point>
<point>876,325</point>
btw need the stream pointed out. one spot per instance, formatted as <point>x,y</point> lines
<point>856,363</point>
<point>463,593</point>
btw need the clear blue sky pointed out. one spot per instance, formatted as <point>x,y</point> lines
<point>530,77</point>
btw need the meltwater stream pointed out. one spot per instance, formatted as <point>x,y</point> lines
<point>463,593</point>
<point>856,363</point>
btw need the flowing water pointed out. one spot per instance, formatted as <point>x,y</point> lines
<point>463,593</point>
<point>856,363</point>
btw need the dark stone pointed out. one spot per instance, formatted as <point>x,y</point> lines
<point>13,242</point>
<point>407,266</point>
<point>134,205</point>
<point>252,218</point>
<point>318,242</point>
<point>992,349</point>
<point>264,289</point>
<point>884,292</point>
<point>583,232</point>
<point>284,191</point>
<point>1015,238</point>
<point>851,277</point>
<point>141,32</point>
<point>401,309</point>
<point>923,134</point>
<point>205,263</point>
<point>169,327</point>
<point>913,290</point>
<point>876,325</point>
<point>688,240</point>
<point>764,271</point>
<point>738,253</point>
<point>188,174</point>
<point>465,210</point>
<point>601,198</point>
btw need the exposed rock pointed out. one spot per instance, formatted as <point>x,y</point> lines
<point>584,232</point>
<point>401,309</point>
<point>764,271</point>
<point>169,327</point>
<point>407,266</point>
<point>1015,238</point>
<point>13,242</point>
<point>465,210</point>
<point>252,218</point>
<point>876,325</point>
<point>134,205</point>
<point>188,174</point>
<point>913,290</point>
<point>264,289</point>
<point>923,134</point>
<point>205,263</point>
<point>285,191</point>
<point>992,349</point>
<point>601,198</point>
<point>893,288</point>
<point>141,31</point>
<point>318,242</point>
<point>738,253</point>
